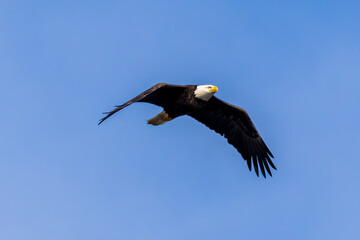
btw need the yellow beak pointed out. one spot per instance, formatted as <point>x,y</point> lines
<point>213,89</point>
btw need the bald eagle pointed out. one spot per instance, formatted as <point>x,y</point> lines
<point>198,102</point>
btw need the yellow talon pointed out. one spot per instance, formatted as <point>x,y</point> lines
<point>166,117</point>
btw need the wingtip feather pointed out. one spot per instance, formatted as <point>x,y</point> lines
<point>271,163</point>
<point>267,167</point>
<point>256,168</point>
<point>249,164</point>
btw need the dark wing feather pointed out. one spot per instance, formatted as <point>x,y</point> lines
<point>235,124</point>
<point>161,94</point>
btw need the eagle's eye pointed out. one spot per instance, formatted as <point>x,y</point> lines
<point>209,87</point>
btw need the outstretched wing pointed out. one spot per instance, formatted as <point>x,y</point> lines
<point>235,124</point>
<point>161,94</point>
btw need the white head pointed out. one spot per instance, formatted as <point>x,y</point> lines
<point>205,92</point>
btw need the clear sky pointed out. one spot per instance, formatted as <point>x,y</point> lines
<point>295,67</point>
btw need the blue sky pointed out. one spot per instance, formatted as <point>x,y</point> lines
<point>293,66</point>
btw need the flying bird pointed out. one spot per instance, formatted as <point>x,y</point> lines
<point>198,102</point>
